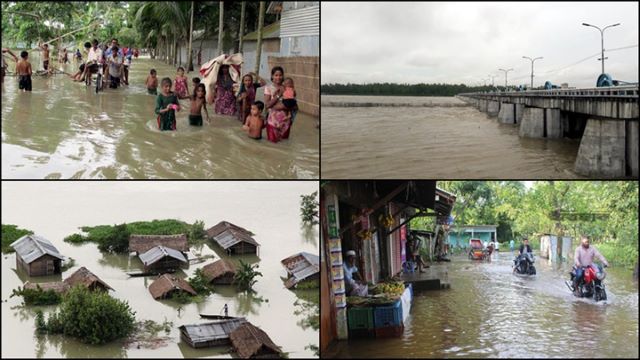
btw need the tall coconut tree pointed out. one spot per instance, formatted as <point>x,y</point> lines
<point>220,27</point>
<point>190,66</point>
<point>259,45</point>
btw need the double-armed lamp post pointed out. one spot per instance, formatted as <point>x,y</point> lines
<point>532,60</point>
<point>601,40</point>
<point>505,77</point>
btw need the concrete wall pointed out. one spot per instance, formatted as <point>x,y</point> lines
<point>532,123</point>
<point>270,47</point>
<point>553,122</point>
<point>632,148</point>
<point>493,107</point>
<point>507,113</point>
<point>305,72</point>
<point>602,149</point>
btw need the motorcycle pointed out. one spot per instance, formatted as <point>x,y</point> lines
<point>523,264</point>
<point>591,284</point>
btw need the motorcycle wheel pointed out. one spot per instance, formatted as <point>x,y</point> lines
<point>532,270</point>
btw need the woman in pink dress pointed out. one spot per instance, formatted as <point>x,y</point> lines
<point>225,99</point>
<point>278,124</point>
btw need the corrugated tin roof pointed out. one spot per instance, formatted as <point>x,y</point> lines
<point>211,331</point>
<point>300,22</point>
<point>156,253</point>
<point>231,236</point>
<point>142,243</point>
<point>224,225</point>
<point>301,266</point>
<point>271,31</point>
<point>32,247</point>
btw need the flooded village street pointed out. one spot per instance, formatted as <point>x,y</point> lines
<point>271,211</point>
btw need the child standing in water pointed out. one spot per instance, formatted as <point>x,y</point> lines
<point>247,95</point>
<point>45,55</point>
<point>166,106</point>
<point>254,123</point>
<point>152,83</point>
<point>23,69</point>
<point>197,103</point>
<point>182,91</point>
<point>289,98</point>
<point>195,81</point>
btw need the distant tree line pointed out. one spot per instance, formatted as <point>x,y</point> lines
<point>401,89</point>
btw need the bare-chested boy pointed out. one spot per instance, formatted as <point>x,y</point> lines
<point>23,69</point>
<point>152,83</point>
<point>45,55</point>
<point>197,103</point>
<point>254,123</point>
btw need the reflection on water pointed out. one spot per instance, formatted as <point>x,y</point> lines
<point>270,210</point>
<point>490,312</point>
<point>434,142</point>
<point>64,130</point>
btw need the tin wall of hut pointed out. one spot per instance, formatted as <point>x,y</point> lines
<point>210,334</point>
<point>234,239</point>
<point>160,258</point>
<point>37,256</point>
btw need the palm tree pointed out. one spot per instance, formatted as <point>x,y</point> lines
<point>241,33</point>
<point>220,27</point>
<point>190,66</point>
<point>259,45</point>
<point>245,276</point>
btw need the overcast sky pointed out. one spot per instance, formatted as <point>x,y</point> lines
<point>467,42</point>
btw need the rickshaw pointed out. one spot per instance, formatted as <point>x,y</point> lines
<point>477,251</point>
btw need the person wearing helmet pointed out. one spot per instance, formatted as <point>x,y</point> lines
<point>583,258</point>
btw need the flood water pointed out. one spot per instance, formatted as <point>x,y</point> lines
<point>62,129</point>
<point>490,312</point>
<point>433,142</point>
<point>55,210</point>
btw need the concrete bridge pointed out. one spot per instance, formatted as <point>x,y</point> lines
<point>605,119</point>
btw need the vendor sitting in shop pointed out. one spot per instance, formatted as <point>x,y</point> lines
<point>354,284</point>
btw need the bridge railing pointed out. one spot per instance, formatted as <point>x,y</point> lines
<point>612,91</point>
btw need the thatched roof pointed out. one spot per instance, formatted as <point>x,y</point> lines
<point>249,341</point>
<point>32,247</point>
<point>85,278</point>
<point>142,243</point>
<point>219,268</point>
<point>167,283</point>
<point>57,286</point>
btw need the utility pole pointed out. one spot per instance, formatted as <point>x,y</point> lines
<point>505,77</point>
<point>492,77</point>
<point>601,40</point>
<point>532,60</point>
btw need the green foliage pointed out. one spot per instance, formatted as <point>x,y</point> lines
<point>197,232</point>
<point>41,325</point>
<point>69,263</point>
<point>181,297</point>
<point>37,296</point>
<point>199,283</point>
<point>314,348</point>
<point>308,284</point>
<point>11,233</point>
<point>245,276</point>
<point>400,89</point>
<point>117,241</point>
<point>92,317</point>
<point>76,239</point>
<point>309,208</point>
<point>624,255</point>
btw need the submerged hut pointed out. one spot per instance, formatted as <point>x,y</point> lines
<point>86,278</point>
<point>210,334</point>
<point>167,284</point>
<point>37,256</point>
<point>160,258</point>
<point>251,342</point>
<point>220,272</point>
<point>303,266</point>
<point>57,286</point>
<point>143,243</point>
<point>234,239</point>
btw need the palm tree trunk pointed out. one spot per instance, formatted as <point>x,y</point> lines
<point>190,64</point>
<point>259,45</point>
<point>243,9</point>
<point>220,27</point>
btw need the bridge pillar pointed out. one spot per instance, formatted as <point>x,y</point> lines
<point>632,147</point>
<point>507,114</point>
<point>553,123</point>
<point>492,108</point>
<point>602,149</point>
<point>482,105</point>
<point>519,108</point>
<point>532,124</point>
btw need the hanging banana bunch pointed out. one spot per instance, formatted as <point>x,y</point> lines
<point>365,234</point>
<point>385,220</point>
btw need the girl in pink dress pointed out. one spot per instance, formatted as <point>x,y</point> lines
<point>181,89</point>
<point>225,99</point>
<point>278,123</point>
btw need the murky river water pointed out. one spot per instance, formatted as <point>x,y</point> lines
<point>55,210</point>
<point>64,130</point>
<point>433,142</point>
<point>490,312</point>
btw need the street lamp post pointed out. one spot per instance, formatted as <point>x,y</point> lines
<point>492,77</point>
<point>601,40</point>
<point>505,77</point>
<point>532,60</point>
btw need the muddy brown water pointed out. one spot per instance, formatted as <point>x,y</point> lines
<point>55,210</point>
<point>64,130</point>
<point>433,142</point>
<point>490,312</point>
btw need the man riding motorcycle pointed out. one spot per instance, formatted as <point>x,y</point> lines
<point>583,256</point>
<point>525,249</point>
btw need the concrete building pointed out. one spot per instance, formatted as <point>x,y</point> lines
<point>459,236</point>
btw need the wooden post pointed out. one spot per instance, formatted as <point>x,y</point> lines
<point>220,27</point>
<point>259,45</point>
<point>242,12</point>
<point>190,64</point>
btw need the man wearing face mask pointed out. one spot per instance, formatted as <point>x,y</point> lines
<point>583,258</point>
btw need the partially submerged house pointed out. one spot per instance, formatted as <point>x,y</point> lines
<point>86,278</point>
<point>167,284</point>
<point>143,243</point>
<point>220,271</point>
<point>251,342</point>
<point>210,334</point>
<point>161,258</point>
<point>303,266</point>
<point>37,256</point>
<point>232,238</point>
<point>57,286</point>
